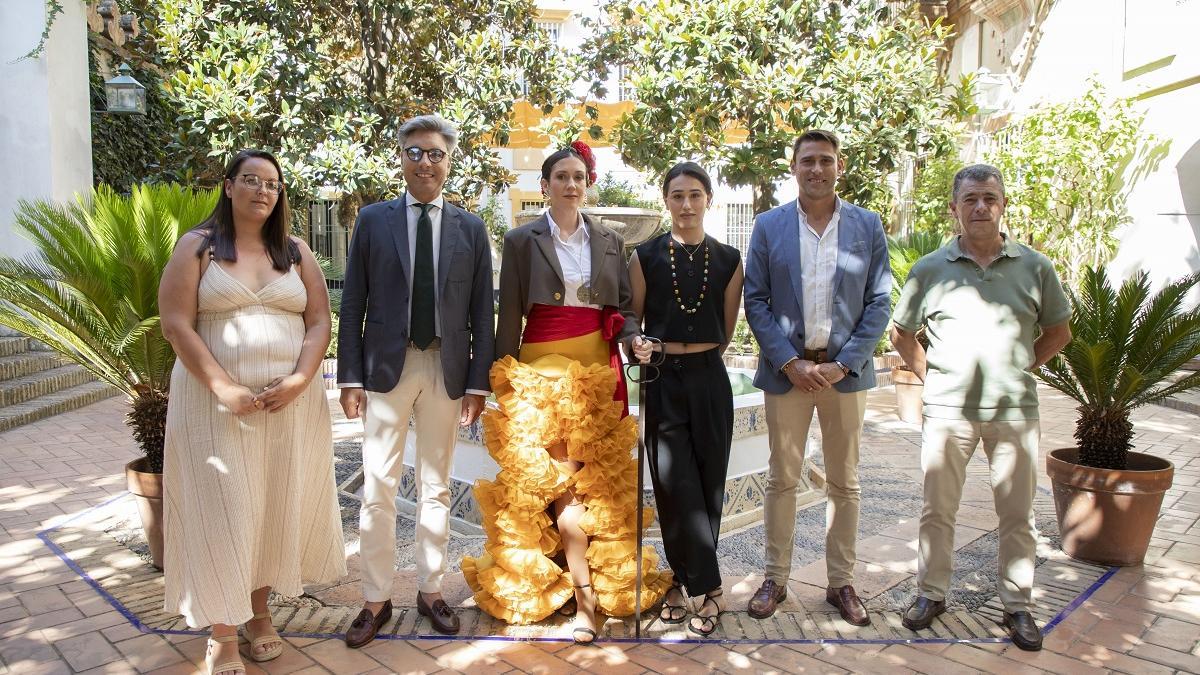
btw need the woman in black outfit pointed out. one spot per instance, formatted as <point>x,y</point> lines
<point>687,287</point>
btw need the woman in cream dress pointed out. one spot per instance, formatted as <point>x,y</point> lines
<point>250,502</point>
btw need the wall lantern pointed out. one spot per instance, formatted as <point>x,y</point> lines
<point>125,95</point>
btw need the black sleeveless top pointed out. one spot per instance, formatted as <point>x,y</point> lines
<point>664,317</point>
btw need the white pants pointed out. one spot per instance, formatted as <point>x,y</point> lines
<point>421,391</point>
<point>1011,447</point>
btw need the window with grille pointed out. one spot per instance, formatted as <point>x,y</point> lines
<point>552,29</point>
<point>739,221</point>
<point>625,90</point>
<point>527,204</point>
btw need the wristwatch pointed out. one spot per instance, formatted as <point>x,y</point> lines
<point>844,367</point>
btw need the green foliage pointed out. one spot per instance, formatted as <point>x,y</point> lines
<point>743,341</point>
<point>903,253</point>
<point>54,9</point>
<point>331,350</point>
<point>496,221</point>
<point>128,149</point>
<point>1068,168</point>
<point>325,85</point>
<point>770,69</point>
<point>614,192</point>
<point>1125,346</point>
<point>90,289</point>
<point>931,195</point>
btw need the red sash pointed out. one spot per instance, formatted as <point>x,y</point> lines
<point>547,323</point>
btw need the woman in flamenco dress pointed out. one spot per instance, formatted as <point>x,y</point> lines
<point>567,488</point>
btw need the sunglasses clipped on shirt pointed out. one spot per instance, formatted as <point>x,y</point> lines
<point>414,154</point>
<point>254,182</point>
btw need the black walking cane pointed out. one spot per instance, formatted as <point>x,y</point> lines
<point>647,373</point>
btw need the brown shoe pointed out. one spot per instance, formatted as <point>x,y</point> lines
<point>444,620</point>
<point>770,594</point>
<point>365,625</point>
<point>921,613</point>
<point>848,604</point>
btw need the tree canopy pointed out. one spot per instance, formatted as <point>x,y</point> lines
<point>731,84</point>
<point>326,85</point>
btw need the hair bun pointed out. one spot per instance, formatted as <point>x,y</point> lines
<point>589,159</point>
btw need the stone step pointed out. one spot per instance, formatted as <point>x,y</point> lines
<point>21,389</point>
<point>28,363</point>
<point>13,345</point>
<point>57,402</point>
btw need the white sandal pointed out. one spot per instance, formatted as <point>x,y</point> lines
<point>228,666</point>
<point>269,654</point>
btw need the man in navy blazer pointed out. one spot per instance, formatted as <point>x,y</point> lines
<point>817,299</point>
<point>416,338</point>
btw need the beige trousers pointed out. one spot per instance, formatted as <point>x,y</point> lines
<point>789,417</point>
<point>421,392</point>
<point>1011,447</point>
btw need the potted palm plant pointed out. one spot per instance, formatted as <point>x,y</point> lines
<point>1126,347</point>
<point>89,291</point>
<point>903,253</point>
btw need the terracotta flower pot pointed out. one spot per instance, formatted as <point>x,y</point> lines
<point>909,389</point>
<point>1107,516</point>
<point>147,490</point>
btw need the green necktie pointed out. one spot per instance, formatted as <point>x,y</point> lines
<point>422,318</point>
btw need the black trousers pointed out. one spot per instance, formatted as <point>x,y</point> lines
<point>692,409</point>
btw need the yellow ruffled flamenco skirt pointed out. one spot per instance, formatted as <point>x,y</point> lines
<point>554,398</point>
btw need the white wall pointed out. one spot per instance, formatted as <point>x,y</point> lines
<point>45,124</point>
<point>1111,40</point>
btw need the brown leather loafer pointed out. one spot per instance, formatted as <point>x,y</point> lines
<point>1023,630</point>
<point>770,594</point>
<point>922,612</point>
<point>848,604</point>
<point>444,620</point>
<point>365,626</point>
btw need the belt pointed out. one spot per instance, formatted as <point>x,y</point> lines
<point>436,344</point>
<point>816,355</point>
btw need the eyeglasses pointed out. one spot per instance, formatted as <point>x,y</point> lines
<point>254,182</point>
<point>415,154</point>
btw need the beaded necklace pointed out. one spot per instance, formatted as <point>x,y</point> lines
<point>675,279</point>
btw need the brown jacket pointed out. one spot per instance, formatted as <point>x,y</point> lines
<point>530,274</point>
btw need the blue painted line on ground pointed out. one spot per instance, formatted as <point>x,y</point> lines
<point>133,619</point>
<point>44,535</point>
<point>1079,600</point>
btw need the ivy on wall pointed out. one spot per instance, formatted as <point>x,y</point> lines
<point>128,149</point>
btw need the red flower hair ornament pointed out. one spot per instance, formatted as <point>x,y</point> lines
<point>589,160</point>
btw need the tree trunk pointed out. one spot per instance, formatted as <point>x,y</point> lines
<point>1104,436</point>
<point>764,196</point>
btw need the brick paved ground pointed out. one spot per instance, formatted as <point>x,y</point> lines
<point>1142,620</point>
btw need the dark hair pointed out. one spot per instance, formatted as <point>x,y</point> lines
<point>560,155</point>
<point>976,172</point>
<point>218,230</point>
<point>687,169</point>
<point>816,136</point>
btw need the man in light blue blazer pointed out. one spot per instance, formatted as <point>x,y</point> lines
<point>817,299</point>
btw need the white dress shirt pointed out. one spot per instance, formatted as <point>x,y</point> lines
<point>435,218</point>
<point>818,262</point>
<point>575,259</point>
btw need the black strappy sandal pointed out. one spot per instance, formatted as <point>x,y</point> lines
<point>577,631</point>
<point>667,613</point>
<point>708,623</point>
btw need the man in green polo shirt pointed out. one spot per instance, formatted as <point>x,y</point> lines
<point>994,311</point>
